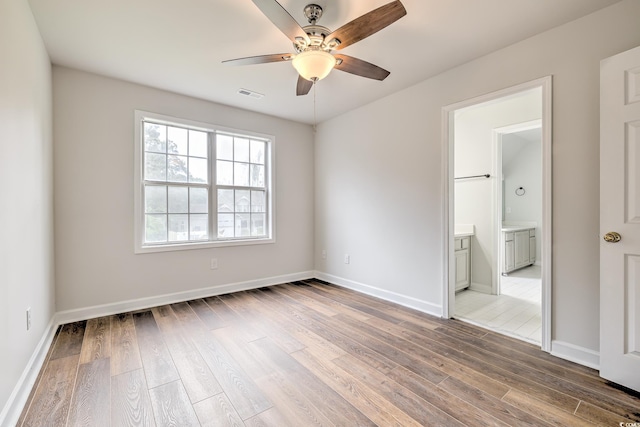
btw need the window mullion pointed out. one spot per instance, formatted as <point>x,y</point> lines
<point>176,184</point>
<point>213,188</point>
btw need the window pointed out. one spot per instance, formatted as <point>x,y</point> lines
<point>200,185</point>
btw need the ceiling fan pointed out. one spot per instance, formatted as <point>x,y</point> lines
<point>313,43</point>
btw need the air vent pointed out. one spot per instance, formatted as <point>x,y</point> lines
<point>252,94</point>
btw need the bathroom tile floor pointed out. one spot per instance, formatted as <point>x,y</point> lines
<point>516,312</point>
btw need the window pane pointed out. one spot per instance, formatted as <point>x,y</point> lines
<point>225,226</point>
<point>178,226</point>
<point>178,199</point>
<point>224,172</point>
<point>257,176</point>
<point>155,138</point>
<point>241,174</point>
<point>177,168</point>
<point>257,152</point>
<point>198,170</point>
<point>198,200</point>
<point>155,199</point>
<point>177,141</point>
<point>224,147</point>
<point>241,150</point>
<point>155,167</point>
<point>242,225</point>
<point>183,190</point>
<point>257,225</point>
<point>243,203</point>
<point>257,201</point>
<point>198,144</point>
<point>155,228</point>
<point>225,200</point>
<point>198,225</point>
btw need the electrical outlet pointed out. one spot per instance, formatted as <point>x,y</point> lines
<point>214,263</point>
<point>347,259</point>
<point>28,318</point>
<point>324,254</point>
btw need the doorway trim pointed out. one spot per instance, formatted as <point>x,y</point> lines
<point>448,198</point>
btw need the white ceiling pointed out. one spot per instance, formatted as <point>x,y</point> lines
<point>179,45</point>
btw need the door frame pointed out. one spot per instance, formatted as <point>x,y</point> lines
<point>448,198</point>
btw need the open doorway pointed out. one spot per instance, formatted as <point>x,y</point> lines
<point>498,211</point>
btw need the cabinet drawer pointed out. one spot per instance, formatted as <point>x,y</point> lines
<point>532,232</point>
<point>508,237</point>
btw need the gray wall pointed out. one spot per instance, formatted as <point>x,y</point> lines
<point>93,160</point>
<point>26,192</point>
<point>524,170</point>
<point>379,173</point>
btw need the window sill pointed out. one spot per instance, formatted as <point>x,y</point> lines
<point>144,249</point>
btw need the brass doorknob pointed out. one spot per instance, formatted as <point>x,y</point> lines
<point>612,237</point>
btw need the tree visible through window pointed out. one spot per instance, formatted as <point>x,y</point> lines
<point>202,185</point>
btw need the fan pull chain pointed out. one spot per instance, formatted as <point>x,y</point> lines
<point>314,106</point>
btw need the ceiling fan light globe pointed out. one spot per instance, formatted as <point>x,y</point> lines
<point>314,65</point>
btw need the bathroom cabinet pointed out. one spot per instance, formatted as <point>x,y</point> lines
<point>462,251</point>
<point>519,248</point>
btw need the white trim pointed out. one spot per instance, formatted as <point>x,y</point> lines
<point>404,300</point>
<point>448,287</point>
<point>141,303</point>
<point>547,211</point>
<point>481,287</point>
<point>20,394</point>
<point>201,245</point>
<point>447,217</point>
<point>576,354</point>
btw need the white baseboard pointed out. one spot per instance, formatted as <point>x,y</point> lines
<point>481,287</point>
<point>18,398</point>
<point>576,354</point>
<point>148,302</point>
<point>14,406</point>
<point>407,301</point>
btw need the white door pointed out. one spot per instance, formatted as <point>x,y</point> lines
<point>620,217</point>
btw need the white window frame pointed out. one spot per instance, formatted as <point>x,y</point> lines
<point>139,222</point>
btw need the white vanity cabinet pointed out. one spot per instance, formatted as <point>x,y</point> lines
<point>519,248</point>
<point>462,251</point>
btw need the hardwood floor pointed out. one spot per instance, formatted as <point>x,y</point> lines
<point>307,354</point>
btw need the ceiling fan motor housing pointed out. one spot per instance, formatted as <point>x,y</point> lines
<point>317,34</point>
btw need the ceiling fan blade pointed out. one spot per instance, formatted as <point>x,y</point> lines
<point>281,19</point>
<point>261,59</point>
<point>360,68</point>
<point>368,24</point>
<point>304,86</point>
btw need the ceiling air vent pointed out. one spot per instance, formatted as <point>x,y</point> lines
<point>252,94</point>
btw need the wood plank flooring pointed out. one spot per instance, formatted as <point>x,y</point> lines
<point>309,354</point>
